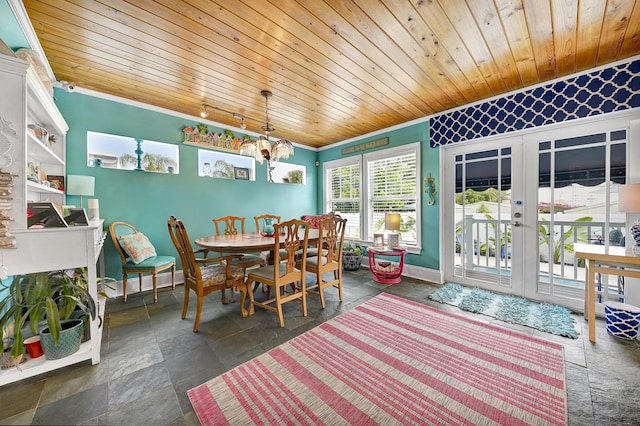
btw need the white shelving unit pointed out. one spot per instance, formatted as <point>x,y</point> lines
<point>26,101</point>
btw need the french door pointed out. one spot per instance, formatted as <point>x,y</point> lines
<point>520,203</point>
<point>483,186</point>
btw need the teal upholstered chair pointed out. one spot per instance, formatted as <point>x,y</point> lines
<point>139,257</point>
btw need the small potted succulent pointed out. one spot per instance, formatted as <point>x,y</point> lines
<point>352,256</point>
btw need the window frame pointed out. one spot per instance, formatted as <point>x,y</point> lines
<point>120,144</point>
<point>363,161</point>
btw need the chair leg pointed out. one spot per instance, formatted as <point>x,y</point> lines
<point>303,291</point>
<point>198,312</point>
<point>173,276</point>
<point>185,305</point>
<point>320,289</point>
<point>338,276</point>
<point>140,279</point>
<point>279,306</point>
<point>155,287</point>
<point>124,287</point>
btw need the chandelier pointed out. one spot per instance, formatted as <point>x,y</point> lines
<point>262,149</point>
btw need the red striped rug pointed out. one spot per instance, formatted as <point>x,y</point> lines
<point>394,361</point>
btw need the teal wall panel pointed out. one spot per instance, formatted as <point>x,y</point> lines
<point>148,199</point>
<point>10,30</point>
<point>429,163</point>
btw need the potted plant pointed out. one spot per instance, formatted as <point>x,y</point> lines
<point>351,256</point>
<point>44,296</point>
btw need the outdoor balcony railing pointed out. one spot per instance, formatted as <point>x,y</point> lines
<point>490,246</point>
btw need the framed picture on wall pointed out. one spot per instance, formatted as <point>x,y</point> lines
<point>378,240</point>
<point>241,173</point>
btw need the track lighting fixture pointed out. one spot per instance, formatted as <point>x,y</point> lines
<point>205,114</point>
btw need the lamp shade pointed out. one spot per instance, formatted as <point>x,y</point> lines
<point>629,198</point>
<point>80,185</point>
<point>392,221</point>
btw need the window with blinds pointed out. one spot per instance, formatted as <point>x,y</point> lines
<point>392,184</point>
<point>343,183</point>
<point>363,188</point>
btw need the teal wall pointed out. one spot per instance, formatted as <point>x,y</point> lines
<point>429,164</point>
<point>10,30</point>
<point>148,199</point>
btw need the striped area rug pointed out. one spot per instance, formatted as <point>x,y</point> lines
<point>394,361</point>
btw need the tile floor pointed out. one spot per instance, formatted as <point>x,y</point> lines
<point>150,358</point>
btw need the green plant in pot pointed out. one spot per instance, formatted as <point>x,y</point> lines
<point>51,297</point>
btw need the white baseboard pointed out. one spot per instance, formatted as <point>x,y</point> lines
<point>164,279</point>
<point>133,283</point>
<point>418,272</point>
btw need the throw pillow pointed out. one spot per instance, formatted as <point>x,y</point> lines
<point>313,221</point>
<point>137,246</point>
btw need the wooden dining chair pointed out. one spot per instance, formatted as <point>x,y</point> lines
<point>138,256</point>
<point>276,219</point>
<point>232,225</point>
<point>331,239</point>
<point>286,279</point>
<point>263,217</point>
<point>313,222</point>
<point>203,276</point>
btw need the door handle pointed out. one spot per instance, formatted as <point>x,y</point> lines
<point>516,224</point>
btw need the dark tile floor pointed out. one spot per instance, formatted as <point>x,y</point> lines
<point>150,358</point>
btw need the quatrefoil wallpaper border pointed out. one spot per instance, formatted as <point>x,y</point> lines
<point>607,90</point>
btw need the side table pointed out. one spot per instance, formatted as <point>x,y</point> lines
<point>386,264</point>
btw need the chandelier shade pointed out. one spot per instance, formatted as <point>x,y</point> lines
<point>262,149</point>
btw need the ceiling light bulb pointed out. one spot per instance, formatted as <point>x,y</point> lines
<point>242,125</point>
<point>204,113</point>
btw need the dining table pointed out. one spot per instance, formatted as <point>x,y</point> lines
<point>248,242</point>
<point>604,260</point>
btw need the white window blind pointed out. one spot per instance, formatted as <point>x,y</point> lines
<point>392,184</point>
<point>344,195</point>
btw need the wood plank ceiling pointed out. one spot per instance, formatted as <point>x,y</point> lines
<point>337,68</point>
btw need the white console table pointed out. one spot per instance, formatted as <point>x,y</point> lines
<point>54,249</point>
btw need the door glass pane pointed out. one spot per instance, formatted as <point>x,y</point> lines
<point>577,203</point>
<point>482,231</point>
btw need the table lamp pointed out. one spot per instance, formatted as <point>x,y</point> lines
<point>629,201</point>
<point>80,185</point>
<point>392,223</point>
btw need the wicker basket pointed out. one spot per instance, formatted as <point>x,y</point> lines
<point>351,261</point>
<point>69,343</point>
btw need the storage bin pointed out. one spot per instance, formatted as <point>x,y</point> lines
<point>622,319</point>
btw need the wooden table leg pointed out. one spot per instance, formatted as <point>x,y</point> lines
<point>591,300</point>
<point>243,297</point>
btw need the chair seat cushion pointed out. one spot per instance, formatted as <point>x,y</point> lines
<point>217,275</point>
<point>154,262</point>
<point>311,251</point>
<point>248,260</point>
<point>267,272</point>
<point>312,262</point>
<point>137,246</point>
